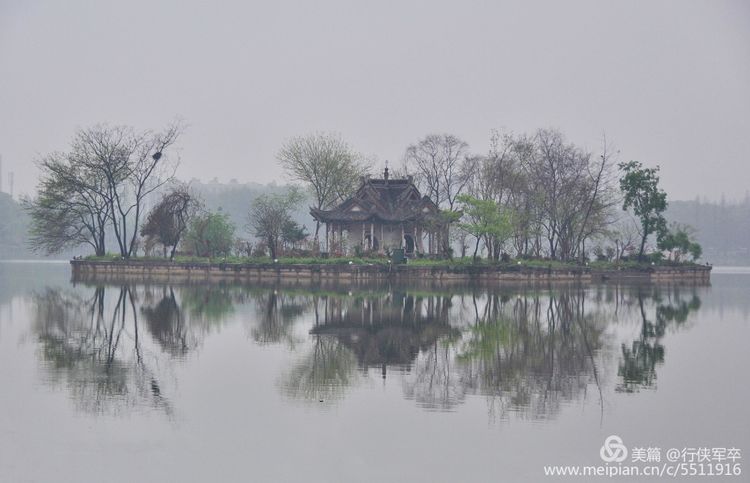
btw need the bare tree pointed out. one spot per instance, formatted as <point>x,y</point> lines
<point>498,177</point>
<point>69,209</point>
<point>570,193</point>
<point>269,217</point>
<point>133,164</point>
<point>559,196</point>
<point>625,234</point>
<point>326,164</point>
<point>441,167</point>
<point>597,201</point>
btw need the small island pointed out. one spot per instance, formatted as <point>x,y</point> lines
<point>536,208</point>
<point>368,269</point>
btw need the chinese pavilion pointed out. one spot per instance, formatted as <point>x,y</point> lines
<point>384,214</point>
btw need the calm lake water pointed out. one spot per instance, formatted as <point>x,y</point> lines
<point>244,382</point>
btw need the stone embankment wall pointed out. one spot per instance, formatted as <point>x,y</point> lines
<point>157,270</point>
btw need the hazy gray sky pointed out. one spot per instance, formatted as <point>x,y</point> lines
<point>669,82</point>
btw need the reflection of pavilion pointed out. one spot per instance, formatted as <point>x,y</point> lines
<point>390,329</point>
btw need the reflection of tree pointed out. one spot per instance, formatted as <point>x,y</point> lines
<point>179,318</point>
<point>208,303</point>
<point>639,361</point>
<point>528,350</point>
<point>93,347</point>
<point>323,373</point>
<point>528,353</point>
<point>166,323</point>
<point>434,382</point>
<point>277,314</point>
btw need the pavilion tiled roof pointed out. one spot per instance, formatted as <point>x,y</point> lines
<point>384,200</point>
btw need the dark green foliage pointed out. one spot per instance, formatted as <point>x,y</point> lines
<point>677,242</point>
<point>293,233</point>
<point>640,360</point>
<point>695,250</point>
<point>640,188</point>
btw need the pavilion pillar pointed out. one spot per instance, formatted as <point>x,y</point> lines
<point>372,235</point>
<point>402,245</point>
<point>382,240</point>
<point>363,235</point>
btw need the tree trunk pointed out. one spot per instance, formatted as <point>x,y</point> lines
<point>99,244</point>
<point>272,248</point>
<point>643,242</point>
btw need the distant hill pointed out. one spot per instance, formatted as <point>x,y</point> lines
<point>235,199</point>
<point>722,229</point>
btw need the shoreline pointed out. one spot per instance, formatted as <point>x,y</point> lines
<point>167,271</point>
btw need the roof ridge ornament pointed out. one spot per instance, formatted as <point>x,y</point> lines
<point>385,171</point>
